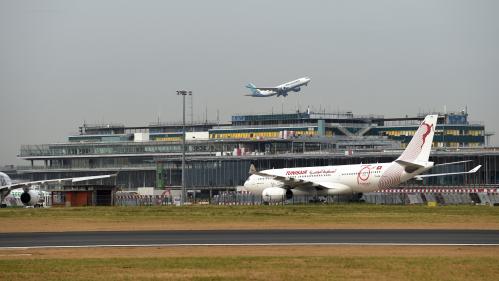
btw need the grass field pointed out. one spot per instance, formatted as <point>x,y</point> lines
<point>251,263</point>
<point>248,217</point>
<point>270,263</point>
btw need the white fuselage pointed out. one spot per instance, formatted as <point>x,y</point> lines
<point>265,93</point>
<point>331,180</point>
<point>283,89</point>
<point>294,84</point>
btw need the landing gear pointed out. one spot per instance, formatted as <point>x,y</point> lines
<point>357,197</point>
<point>3,205</point>
<point>316,200</point>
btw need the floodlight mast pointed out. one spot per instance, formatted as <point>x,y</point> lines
<point>183,93</point>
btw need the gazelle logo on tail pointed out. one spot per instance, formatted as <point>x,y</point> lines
<point>428,130</point>
<point>418,149</point>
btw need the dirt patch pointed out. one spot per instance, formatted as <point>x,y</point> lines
<point>62,225</point>
<point>244,251</point>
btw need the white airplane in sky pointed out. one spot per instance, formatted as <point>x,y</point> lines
<point>280,90</point>
<point>277,185</point>
<point>34,196</point>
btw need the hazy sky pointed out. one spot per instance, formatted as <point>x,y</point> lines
<point>65,62</point>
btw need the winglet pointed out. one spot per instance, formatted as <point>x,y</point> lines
<point>409,164</point>
<point>474,170</point>
<point>252,169</point>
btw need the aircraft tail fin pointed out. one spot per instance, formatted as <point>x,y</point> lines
<point>252,89</point>
<point>5,180</point>
<point>252,169</point>
<point>418,149</point>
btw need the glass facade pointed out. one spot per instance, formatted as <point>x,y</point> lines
<point>225,173</point>
<point>222,156</point>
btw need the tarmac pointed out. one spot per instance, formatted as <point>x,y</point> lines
<point>249,237</point>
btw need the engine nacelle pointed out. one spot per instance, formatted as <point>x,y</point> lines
<point>32,198</point>
<point>276,194</point>
<point>297,89</point>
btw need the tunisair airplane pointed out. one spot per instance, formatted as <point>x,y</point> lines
<point>277,185</point>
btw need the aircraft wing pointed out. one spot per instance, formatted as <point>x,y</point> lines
<point>474,170</point>
<point>77,179</point>
<point>267,89</point>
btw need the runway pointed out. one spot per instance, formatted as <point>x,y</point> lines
<point>249,237</point>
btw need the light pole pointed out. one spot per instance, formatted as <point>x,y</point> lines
<point>183,93</point>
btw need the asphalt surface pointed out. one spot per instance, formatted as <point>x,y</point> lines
<point>249,237</point>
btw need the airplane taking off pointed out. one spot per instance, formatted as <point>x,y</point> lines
<point>280,90</point>
<point>278,185</point>
<point>34,197</point>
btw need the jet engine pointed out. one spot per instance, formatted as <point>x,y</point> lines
<point>276,194</point>
<point>297,89</point>
<point>32,198</point>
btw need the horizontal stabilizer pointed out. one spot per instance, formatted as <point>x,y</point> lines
<point>452,163</point>
<point>409,164</point>
<point>474,170</point>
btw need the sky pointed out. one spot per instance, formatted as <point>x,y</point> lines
<point>66,62</point>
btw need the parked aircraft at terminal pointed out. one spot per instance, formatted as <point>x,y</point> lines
<point>280,90</point>
<point>277,185</point>
<point>14,197</point>
<point>34,197</point>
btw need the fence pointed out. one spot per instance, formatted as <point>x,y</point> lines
<point>483,196</point>
<point>143,200</point>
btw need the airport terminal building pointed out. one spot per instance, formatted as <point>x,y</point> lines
<point>219,154</point>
